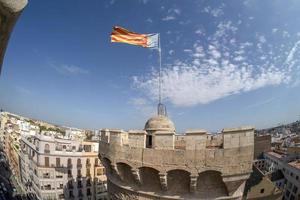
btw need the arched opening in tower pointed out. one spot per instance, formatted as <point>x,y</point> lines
<point>125,173</point>
<point>211,185</point>
<point>178,181</point>
<point>150,179</point>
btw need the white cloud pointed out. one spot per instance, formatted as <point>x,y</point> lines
<point>69,69</point>
<point>143,105</point>
<point>187,50</point>
<point>189,85</point>
<point>144,1</point>
<point>171,52</point>
<point>200,31</point>
<point>149,20</point>
<point>239,58</point>
<point>168,18</point>
<point>262,39</point>
<point>23,90</point>
<point>274,30</point>
<point>215,12</point>
<point>219,67</point>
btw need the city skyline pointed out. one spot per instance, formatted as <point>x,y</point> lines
<point>225,64</point>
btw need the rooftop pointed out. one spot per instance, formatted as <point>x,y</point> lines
<point>295,163</point>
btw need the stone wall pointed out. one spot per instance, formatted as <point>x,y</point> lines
<point>261,144</point>
<point>178,167</point>
<point>9,13</point>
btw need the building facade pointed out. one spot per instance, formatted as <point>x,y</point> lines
<point>289,165</point>
<point>156,163</point>
<point>56,168</point>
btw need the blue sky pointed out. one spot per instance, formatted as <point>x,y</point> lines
<point>225,63</point>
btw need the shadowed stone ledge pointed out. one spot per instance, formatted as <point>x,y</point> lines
<point>10,10</point>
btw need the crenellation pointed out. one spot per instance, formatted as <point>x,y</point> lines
<point>178,164</point>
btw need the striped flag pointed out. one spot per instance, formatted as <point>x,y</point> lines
<point>123,35</point>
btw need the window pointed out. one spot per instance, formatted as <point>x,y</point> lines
<point>290,185</point>
<point>297,177</point>
<point>88,182</point>
<point>69,162</point>
<point>262,191</point>
<point>61,186</point>
<point>96,161</point>
<point>79,184</point>
<point>79,162</point>
<point>47,148</point>
<point>79,173</point>
<point>88,172</point>
<point>70,184</point>
<point>80,193</point>
<point>99,172</point>
<point>57,162</point>
<point>287,193</point>
<point>149,141</point>
<point>88,191</point>
<point>69,173</point>
<point>46,161</point>
<point>295,189</point>
<point>88,163</point>
<point>292,197</point>
<point>71,194</point>
<point>87,148</point>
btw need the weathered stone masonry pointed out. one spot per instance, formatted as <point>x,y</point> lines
<point>155,163</point>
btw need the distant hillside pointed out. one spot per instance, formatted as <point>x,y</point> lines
<point>292,128</point>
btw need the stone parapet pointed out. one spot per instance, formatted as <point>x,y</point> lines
<point>9,13</point>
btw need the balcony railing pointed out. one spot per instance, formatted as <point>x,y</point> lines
<point>79,165</point>
<point>46,151</point>
<point>88,165</point>
<point>70,166</point>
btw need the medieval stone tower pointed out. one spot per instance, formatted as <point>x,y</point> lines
<point>156,163</point>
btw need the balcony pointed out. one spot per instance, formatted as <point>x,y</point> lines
<point>88,165</point>
<point>79,175</point>
<point>79,186</point>
<point>70,166</point>
<point>70,176</point>
<point>47,151</point>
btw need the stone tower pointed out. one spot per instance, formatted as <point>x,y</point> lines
<point>156,163</point>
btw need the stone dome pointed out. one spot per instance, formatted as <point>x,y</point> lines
<point>159,123</point>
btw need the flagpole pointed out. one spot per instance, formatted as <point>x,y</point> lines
<point>159,78</point>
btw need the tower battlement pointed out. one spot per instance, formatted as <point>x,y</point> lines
<point>157,163</point>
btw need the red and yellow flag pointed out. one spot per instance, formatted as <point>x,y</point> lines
<point>123,35</point>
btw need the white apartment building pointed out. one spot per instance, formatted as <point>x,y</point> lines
<point>55,168</point>
<point>289,164</point>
